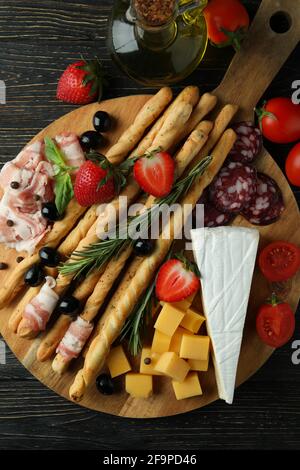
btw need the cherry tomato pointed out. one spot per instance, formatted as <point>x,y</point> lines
<point>279,261</point>
<point>280,120</point>
<point>292,165</point>
<point>227,22</point>
<point>275,323</point>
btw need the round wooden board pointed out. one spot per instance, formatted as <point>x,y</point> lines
<point>163,403</point>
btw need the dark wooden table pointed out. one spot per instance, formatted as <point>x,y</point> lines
<point>37,41</point>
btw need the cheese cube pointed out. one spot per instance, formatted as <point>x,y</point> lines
<point>171,365</point>
<point>194,347</point>
<point>117,362</point>
<point>190,387</point>
<point>138,385</point>
<point>183,304</point>
<point>176,339</point>
<point>168,319</point>
<point>160,342</point>
<point>195,364</point>
<point>192,320</point>
<point>148,368</point>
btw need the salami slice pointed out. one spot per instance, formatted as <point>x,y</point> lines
<point>267,204</point>
<point>215,218</point>
<point>248,143</point>
<point>233,187</point>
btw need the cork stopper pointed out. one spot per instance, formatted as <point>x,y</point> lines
<point>154,12</point>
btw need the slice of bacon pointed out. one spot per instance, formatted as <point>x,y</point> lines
<point>22,167</point>
<point>71,149</point>
<point>74,339</point>
<point>41,307</point>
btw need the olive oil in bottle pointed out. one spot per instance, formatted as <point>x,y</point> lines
<point>157,42</point>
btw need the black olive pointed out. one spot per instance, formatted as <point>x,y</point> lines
<point>102,121</point>
<point>14,185</point>
<point>91,140</point>
<point>50,212</point>
<point>147,361</point>
<point>3,265</point>
<point>34,276</point>
<point>10,223</point>
<point>49,256</point>
<point>69,305</point>
<point>105,384</point>
<point>143,247</point>
<point>19,259</point>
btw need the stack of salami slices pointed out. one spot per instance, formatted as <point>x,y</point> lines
<point>239,188</point>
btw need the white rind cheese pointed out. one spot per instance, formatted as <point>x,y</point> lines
<point>226,259</point>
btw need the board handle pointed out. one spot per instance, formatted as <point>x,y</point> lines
<point>262,54</point>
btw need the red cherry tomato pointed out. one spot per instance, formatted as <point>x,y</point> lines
<point>280,120</point>
<point>292,165</point>
<point>275,323</point>
<point>279,261</point>
<point>227,21</point>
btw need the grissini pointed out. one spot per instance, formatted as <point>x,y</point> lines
<point>164,139</point>
<point>189,150</point>
<point>189,96</point>
<point>127,142</point>
<point>123,301</point>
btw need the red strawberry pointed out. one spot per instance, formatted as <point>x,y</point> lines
<point>87,187</point>
<point>81,82</point>
<point>176,281</point>
<point>154,173</point>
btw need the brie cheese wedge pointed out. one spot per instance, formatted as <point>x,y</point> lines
<point>226,258</point>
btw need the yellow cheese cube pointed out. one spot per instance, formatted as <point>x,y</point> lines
<point>183,304</point>
<point>148,368</point>
<point>171,365</point>
<point>160,342</point>
<point>195,364</point>
<point>192,320</point>
<point>194,347</point>
<point>168,319</point>
<point>176,339</point>
<point>190,387</point>
<point>138,385</point>
<point>117,362</point>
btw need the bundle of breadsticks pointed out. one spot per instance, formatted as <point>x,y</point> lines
<point>171,124</point>
<point>174,124</point>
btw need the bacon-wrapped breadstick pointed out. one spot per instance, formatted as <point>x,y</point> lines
<point>123,301</point>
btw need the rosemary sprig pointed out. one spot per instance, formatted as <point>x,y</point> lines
<point>135,325</point>
<point>97,254</point>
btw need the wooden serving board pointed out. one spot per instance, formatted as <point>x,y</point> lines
<point>163,402</point>
<point>251,72</point>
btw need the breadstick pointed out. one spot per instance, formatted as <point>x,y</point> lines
<point>191,148</point>
<point>128,140</point>
<point>123,301</point>
<point>146,116</point>
<point>221,123</point>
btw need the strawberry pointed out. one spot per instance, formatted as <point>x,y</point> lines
<point>154,172</point>
<point>176,280</point>
<point>81,82</point>
<point>98,181</point>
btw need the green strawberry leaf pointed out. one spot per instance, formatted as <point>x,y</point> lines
<point>188,265</point>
